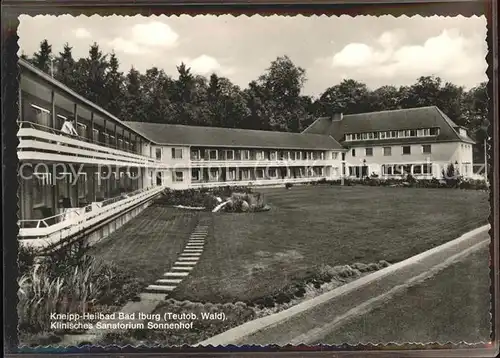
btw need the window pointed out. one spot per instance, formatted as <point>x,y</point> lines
<point>273,173</point>
<point>195,154</point>
<point>371,135</point>
<point>426,148</point>
<point>41,183</point>
<point>158,153</point>
<point>260,155</point>
<point>245,174</point>
<point>335,155</point>
<point>387,151</point>
<point>322,155</point>
<point>407,133</point>
<point>353,152</point>
<point>120,143</point>
<point>364,136</point>
<point>417,169</point>
<point>358,136</point>
<point>231,174</point>
<point>81,129</point>
<point>427,169</point>
<point>213,174</point>
<point>273,155</point>
<point>426,132</point>
<point>434,131</point>
<point>401,134</point>
<point>394,134</point>
<point>212,154</point>
<point>413,133</point>
<point>389,170</point>
<point>177,176</point>
<point>245,155</point>
<point>259,173</point>
<point>397,170</point>
<point>406,150</point>
<point>195,174</point>
<point>382,135</point>
<point>229,154</point>
<point>176,153</point>
<point>348,137</point>
<point>95,135</point>
<point>82,188</point>
<point>368,152</point>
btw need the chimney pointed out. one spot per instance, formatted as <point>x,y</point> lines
<point>337,116</point>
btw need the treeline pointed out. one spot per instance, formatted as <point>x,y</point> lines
<point>274,101</point>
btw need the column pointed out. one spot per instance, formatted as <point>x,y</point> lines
<point>91,127</point>
<point>53,109</point>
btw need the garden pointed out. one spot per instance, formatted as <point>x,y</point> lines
<point>314,238</point>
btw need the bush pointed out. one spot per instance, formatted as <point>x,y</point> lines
<point>288,185</point>
<point>69,281</point>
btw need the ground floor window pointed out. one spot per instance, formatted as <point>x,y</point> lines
<point>214,174</point>
<point>231,174</point>
<point>178,176</point>
<point>195,174</point>
<point>245,174</point>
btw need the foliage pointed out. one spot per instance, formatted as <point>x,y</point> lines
<point>67,282</point>
<point>273,101</point>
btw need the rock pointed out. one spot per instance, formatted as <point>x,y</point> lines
<point>244,206</point>
<point>360,266</point>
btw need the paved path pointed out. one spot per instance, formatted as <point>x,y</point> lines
<point>155,293</point>
<point>311,320</point>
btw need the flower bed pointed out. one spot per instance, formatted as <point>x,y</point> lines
<point>240,199</point>
<point>457,183</point>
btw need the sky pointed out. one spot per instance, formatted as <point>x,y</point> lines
<point>378,51</point>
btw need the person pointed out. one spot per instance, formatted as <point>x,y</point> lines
<point>68,126</point>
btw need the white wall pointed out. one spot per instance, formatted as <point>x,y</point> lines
<point>441,154</point>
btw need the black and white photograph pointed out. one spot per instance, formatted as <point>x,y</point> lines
<point>253,180</point>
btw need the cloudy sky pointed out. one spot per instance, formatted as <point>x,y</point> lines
<point>375,50</point>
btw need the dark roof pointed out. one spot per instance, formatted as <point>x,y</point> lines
<point>401,119</point>
<point>175,134</point>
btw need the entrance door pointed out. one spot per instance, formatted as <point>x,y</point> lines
<point>159,179</point>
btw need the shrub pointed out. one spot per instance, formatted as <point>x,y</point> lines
<point>69,282</point>
<point>288,185</point>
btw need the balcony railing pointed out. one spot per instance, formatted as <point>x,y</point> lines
<point>41,142</point>
<point>50,230</point>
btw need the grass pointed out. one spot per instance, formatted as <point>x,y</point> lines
<point>453,306</point>
<point>148,245</point>
<point>253,255</point>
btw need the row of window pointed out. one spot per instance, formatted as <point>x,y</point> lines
<point>406,150</point>
<point>246,154</point>
<point>401,169</point>
<point>42,116</point>
<point>408,133</point>
<point>215,174</point>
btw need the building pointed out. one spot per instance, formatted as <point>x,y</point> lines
<point>90,183</point>
<point>418,141</point>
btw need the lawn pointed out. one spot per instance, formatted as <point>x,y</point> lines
<point>452,306</point>
<point>148,245</point>
<point>256,254</point>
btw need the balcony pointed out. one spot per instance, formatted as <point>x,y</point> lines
<point>49,231</point>
<point>42,143</point>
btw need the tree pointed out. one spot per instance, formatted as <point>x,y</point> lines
<point>475,110</point>
<point>385,98</point>
<point>42,59</point>
<point>282,83</point>
<point>134,104</point>
<point>349,97</point>
<point>65,66</point>
<point>114,86</point>
<point>95,71</point>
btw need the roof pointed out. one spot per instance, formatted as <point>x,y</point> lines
<point>176,134</point>
<point>401,119</point>
<point>40,74</point>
